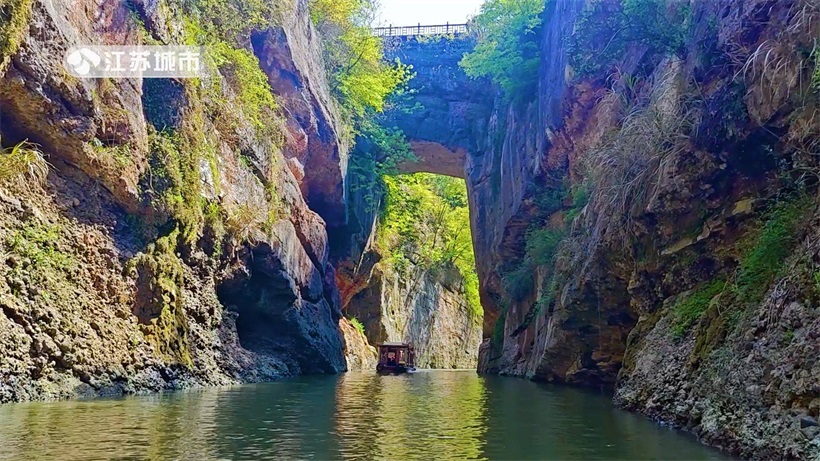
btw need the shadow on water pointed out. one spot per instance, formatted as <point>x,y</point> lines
<point>435,415</point>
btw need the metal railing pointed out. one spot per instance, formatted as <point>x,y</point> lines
<point>411,31</point>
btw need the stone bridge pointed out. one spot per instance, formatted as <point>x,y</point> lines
<point>451,110</point>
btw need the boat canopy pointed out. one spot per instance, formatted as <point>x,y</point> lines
<point>393,345</point>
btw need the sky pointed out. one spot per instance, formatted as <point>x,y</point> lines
<point>427,12</point>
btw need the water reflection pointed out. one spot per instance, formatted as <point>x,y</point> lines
<point>437,415</point>
<point>424,416</point>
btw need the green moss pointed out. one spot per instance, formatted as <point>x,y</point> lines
<point>38,243</point>
<point>764,261</point>
<point>215,227</point>
<point>14,21</point>
<point>689,310</point>
<point>498,331</point>
<point>174,177</point>
<point>761,263</point>
<point>359,326</point>
<point>160,276</point>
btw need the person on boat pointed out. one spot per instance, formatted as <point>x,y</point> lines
<point>391,359</point>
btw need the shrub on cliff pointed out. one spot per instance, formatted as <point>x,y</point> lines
<point>357,324</point>
<point>234,19</point>
<point>507,49</point>
<point>606,29</point>
<point>360,77</point>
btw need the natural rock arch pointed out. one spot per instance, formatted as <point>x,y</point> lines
<point>451,111</point>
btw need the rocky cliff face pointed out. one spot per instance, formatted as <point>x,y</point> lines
<point>692,164</point>
<point>421,307</point>
<point>149,261</point>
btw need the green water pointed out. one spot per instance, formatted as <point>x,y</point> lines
<point>430,415</point>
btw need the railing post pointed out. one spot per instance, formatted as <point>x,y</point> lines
<point>390,30</point>
<point>419,32</point>
<point>447,31</point>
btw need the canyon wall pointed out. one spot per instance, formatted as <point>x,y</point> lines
<point>668,178</point>
<point>427,309</point>
<point>635,221</point>
<point>177,240</point>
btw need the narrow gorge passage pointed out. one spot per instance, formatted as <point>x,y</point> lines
<point>424,288</point>
<point>607,211</point>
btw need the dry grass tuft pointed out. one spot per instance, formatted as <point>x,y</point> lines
<point>23,164</point>
<point>246,222</point>
<point>778,68</point>
<point>629,165</point>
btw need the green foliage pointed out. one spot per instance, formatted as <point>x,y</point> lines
<point>760,265</point>
<point>254,94</point>
<point>764,261</point>
<point>580,194</point>
<point>815,59</point>
<point>425,222</point>
<point>14,20</point>
<point>234,19</point>
<point>175,180</point>
<point>359,326</point>
<point>507,50</point>
<point>240,67</point>
<point>605,30</point>
<point>549,200</point>
<point>518,283</point>
<point>38,243</point>
<point>361,79</point>
<point>498,330</point>
<point>542,244</point>
<point>378,152</point>
<point>691,309</point>
<point>22,164</point>
<point>542,241</point>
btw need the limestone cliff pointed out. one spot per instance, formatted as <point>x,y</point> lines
<point>413,280</point>
<point>666,175</point>
<point>424,308</point>
<point>175,241</point>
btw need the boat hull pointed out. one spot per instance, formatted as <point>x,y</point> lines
<point>394,369</point>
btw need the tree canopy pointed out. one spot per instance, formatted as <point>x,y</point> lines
<point>426,222</point>
<point>361,78</point>
<point>507,50</point>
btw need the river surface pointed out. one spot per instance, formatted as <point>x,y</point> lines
<point>430,415</point>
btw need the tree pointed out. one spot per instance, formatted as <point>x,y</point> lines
<point>606,29</point>
<point>507,50</point>
<point>361,78</point>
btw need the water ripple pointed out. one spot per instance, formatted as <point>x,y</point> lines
<point>436,415</point>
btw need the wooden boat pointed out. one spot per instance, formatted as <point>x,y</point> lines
<point>396,358</point>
